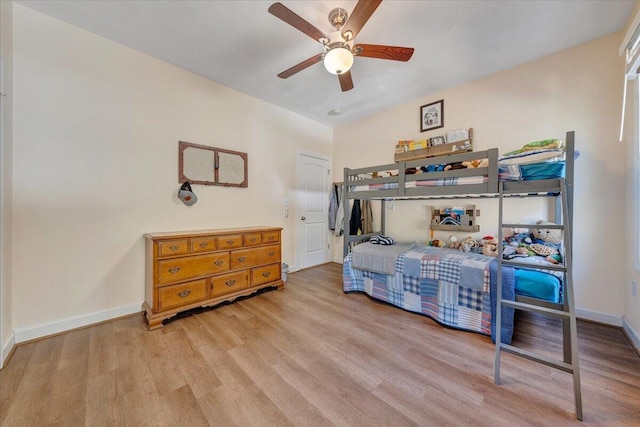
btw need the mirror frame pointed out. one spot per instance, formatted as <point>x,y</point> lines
<point>183,145</point>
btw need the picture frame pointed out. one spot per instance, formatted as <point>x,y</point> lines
<point>432,116</point>
<point>438,140</point>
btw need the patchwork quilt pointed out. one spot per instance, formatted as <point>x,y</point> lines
<point>452,287</point>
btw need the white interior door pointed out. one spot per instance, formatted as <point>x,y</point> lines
<point>312,222</point>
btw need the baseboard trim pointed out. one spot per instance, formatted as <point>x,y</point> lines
<point>7,349</point>
<point>631,334</point>
<point>596,316</point>
<point>28,334</point>
<point>337,260</point>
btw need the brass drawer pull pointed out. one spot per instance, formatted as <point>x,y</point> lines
<point>219,262</point>
<point>242,258</point>
<point>174,247</point>
<point>253,239</point>
<point>184,293</point>
<point>272,253</point>
<point>266,274</point>
<point>229,242</point>
<point>271,237</point>
<point>204,245</point>
<point>230,282</point>
<point>174,270</point>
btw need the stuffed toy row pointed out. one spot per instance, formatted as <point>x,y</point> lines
<point>543,242</point>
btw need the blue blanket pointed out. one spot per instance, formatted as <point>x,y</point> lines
<point>508,293</point>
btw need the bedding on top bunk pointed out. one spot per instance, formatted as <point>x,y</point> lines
<point>452,287</point>
<point>426,182</point>
<point>535,161</point>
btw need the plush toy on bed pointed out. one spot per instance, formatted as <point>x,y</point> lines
<point>468,244</point>
<point>546,236</point>
<point>547,242</point>
<point>489,246</point>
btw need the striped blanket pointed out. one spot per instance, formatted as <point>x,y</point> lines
<point>452,287</point>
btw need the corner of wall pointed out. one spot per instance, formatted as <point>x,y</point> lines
<point>631,334</point>
<point>7,349</point>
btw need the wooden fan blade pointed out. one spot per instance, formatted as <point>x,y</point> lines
<point>301,66</point>
<point>346,83</point>
<point>280,11</point>
<point>360,15</point>
<point>395,53</point>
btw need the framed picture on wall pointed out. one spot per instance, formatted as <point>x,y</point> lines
<point>432,116</point>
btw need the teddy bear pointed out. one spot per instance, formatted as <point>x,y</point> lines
<point>489,246</point>
<point>546,235</point>
<point>453,242</point>
<point>468,244</point>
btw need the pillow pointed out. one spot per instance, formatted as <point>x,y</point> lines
<point>379,239</point>
<point>529,157</point>
<point>545,144</point>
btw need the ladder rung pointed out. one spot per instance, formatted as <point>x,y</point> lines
<point>557,364</point>
<point>549,226</point>
<point>535,308</point>
<point>534,266</point>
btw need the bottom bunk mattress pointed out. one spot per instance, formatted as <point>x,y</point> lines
<point>455,288</point>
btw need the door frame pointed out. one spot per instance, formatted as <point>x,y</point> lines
<point>298,227</point>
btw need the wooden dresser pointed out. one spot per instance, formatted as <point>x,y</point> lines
<point>185,270</point>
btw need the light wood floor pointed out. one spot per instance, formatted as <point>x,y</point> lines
<point>311,355</point>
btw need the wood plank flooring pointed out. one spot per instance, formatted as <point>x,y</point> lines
<point>310,355</point>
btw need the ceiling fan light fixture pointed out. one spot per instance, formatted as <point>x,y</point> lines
<point>338,60</point>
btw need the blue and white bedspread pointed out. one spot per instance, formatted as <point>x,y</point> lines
<point>452,287</point>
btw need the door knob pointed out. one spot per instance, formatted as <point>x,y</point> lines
<point>303,218</point>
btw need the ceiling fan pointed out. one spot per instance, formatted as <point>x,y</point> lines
<point>338,46</point>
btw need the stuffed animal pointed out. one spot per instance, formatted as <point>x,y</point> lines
<point>437,243</point>
<point>454,243</point>
<point>518,239</point>
<point>472,163</point>
<point>547,235</point>
<point>543,250</point>
<point>468,244</point>
<point>489,245</point>
<point>489,249</point>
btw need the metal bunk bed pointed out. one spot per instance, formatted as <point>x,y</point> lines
<point>391,182</point>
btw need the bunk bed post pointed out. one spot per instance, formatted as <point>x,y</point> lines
<point>347,214</point>
<point>382,217</point>
<point>498,312</point>
<point>567,220</point>
<point>402,167</point>
<point>493,170</point>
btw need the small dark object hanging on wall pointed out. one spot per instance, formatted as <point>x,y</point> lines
<point>187,196</point>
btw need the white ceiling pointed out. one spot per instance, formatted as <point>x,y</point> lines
<point>239,44</point>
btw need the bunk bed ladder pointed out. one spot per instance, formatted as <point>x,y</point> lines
<point>565,311</point>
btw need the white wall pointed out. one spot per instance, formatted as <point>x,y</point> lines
<point>632,202</point>
<point>577,89</point>
<point>6,298</point>
<point>96,131</point>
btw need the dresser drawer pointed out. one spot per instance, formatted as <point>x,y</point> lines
<point>270,237</point>
<point>265,274</point>
<point>203,244</point>
<point>230,242</point>
<point>230,282</point>
<point>252,239</point>
<point>178,269</point>
<point>173,247</point>
<point>183,294</point>
<point>244,258</point>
